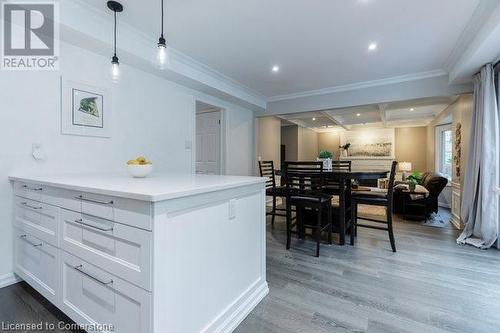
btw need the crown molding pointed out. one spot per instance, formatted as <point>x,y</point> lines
<point>361,85</point>
<point>477,21</point>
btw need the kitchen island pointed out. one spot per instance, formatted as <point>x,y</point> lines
<point>168,253</point>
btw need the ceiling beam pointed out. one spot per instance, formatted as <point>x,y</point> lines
<point>390,92</point>
<point>334,120</point>
<point>383,115</point>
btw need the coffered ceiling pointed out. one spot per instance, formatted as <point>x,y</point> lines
<point>397,114</point>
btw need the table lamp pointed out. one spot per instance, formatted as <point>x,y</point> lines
<point>405,167</point>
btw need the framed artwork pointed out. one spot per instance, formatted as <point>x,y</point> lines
<point>85,110</point>
<point>369,143</point>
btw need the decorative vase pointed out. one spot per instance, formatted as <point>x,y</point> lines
<point>327,163</point>
<point>412,186</point>
<point>344,153</point>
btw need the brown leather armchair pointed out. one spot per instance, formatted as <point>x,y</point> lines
<point>434,183</point>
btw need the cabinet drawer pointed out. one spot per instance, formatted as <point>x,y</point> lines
<point>119,249</point>
<point>130,212</point>
<point>38,219</point>
<point>37,263</point>
<point>29,190</point>
<point>93,296</point>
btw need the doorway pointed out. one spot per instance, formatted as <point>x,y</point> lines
<point>209,139</point>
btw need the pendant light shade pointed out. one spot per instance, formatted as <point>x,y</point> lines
<point>162,57</point>
<point>116,7</point>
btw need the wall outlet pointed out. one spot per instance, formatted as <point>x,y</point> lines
<point>232,209</point>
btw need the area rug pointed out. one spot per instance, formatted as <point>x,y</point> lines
<point>437,221</point>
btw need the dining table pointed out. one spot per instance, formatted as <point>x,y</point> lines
<point>345,179</point>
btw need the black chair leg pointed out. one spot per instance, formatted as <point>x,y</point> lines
<point>318,231</point>
<point>288,225</point>
<point>274,211</point>
<point>389,227</point>
<point>354,220</point>
<point>330,222</point>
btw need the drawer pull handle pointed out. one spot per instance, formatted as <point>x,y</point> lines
<point>32,188</point>
<point>81,197</point>
<point>80,221</point>
<point>25,237</point>
<point>80,269</point>
<point>25,204</point>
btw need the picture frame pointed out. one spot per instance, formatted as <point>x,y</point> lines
<point>85,109</point>
<point>369,144</point>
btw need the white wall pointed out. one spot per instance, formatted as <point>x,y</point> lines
<point>151,116</point>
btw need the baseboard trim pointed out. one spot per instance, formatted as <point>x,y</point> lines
<point>9,279</point>
<point>232,317</point>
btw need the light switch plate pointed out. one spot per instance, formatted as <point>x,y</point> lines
<point>232,209</point>
<point>37,152</point>
<point>188,145</point>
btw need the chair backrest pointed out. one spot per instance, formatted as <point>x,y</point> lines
<point>266,169</point>
<point>434,183</point>
<point>392,176</point>
<point>341,165</point>
<point>304,176</point>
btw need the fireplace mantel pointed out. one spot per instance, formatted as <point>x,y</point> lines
<point>369,163</point>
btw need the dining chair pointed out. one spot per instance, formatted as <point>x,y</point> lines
<point>267,171</point>
<point>305,184</point>
<point>332,186</point>
<point>375,199</point>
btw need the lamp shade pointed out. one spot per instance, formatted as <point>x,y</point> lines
<point>405,166</point>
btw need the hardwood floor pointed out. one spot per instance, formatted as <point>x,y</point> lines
<point>19,303</point>
<point>430,285</point>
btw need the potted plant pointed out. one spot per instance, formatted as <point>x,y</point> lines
<point>412,185</point>
<point>413,180</point>
<point>345,149</point>
<point>326,157</point>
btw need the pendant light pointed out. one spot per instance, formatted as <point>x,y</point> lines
<point>116,7</point>
<point>162,56</point>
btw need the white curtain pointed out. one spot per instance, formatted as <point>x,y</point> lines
<point>479,201</point>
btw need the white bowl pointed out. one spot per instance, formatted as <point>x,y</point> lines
<point>139,171</point>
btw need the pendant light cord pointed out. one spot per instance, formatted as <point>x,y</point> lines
<point>115,33</point>
<point>162,18</point>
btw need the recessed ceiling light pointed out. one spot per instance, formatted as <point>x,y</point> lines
<point>314,119</point>
<point>275,69</point>
<point>358,114</point>
<point>372,46</point>
<point>412,109</point>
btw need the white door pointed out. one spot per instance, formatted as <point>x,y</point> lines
<point>208,143</point>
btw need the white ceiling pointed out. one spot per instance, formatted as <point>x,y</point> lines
<point>316,43</point>
<point>390,115</point>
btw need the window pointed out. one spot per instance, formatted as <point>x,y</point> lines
<point>444,150</point>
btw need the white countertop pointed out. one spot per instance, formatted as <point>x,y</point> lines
<point>156,187</point>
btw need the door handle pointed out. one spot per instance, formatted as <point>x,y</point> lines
<point>80,221</point>
<point>32,188</point>
<point>25,237</point>
<point>25,204</point>
<point>81,197</point>
<point>81,270</point>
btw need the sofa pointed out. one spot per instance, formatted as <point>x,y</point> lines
<point>424,207</point>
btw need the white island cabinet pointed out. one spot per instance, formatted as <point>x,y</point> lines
<point>165,254</point>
